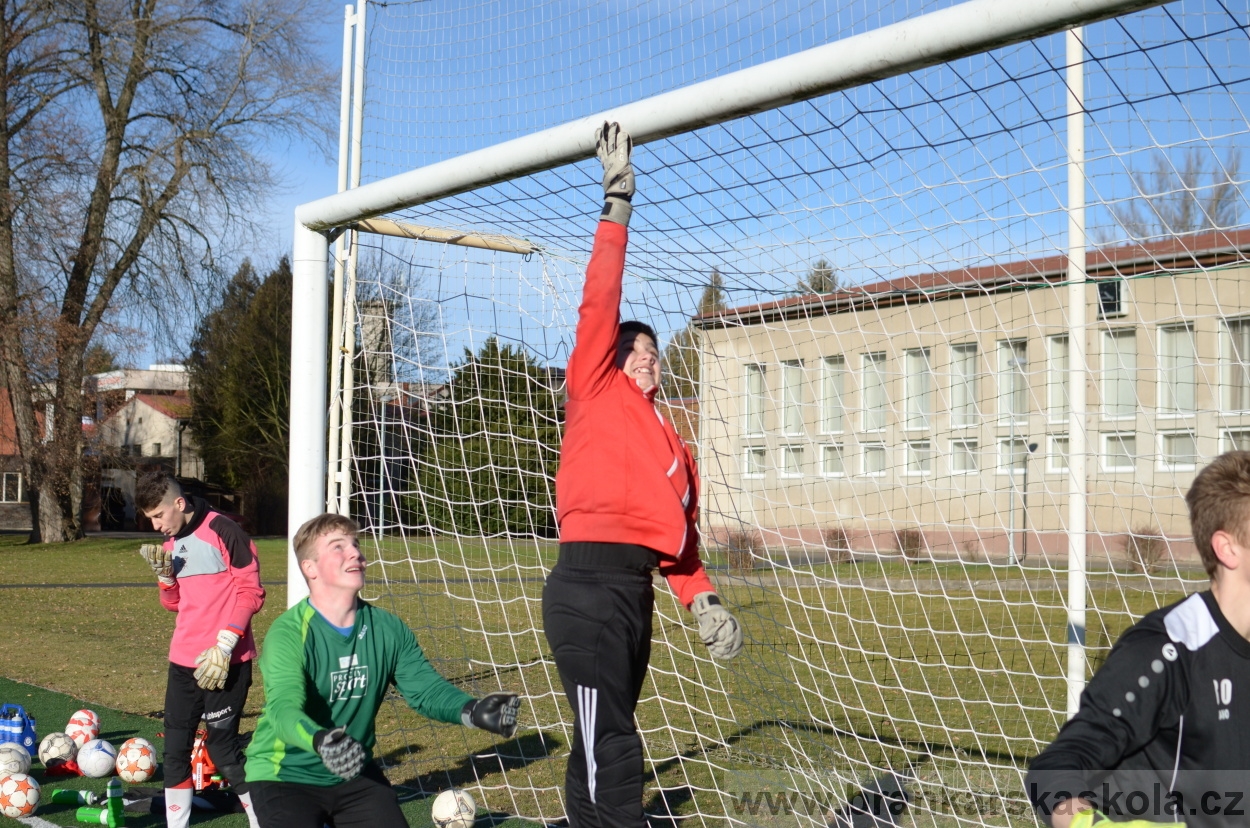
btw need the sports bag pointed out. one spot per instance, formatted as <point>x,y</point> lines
<point>16,725</point>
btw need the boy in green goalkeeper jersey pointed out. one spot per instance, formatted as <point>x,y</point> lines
<point>327,663</point>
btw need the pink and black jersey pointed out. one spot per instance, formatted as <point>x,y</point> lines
<point>217,586</point>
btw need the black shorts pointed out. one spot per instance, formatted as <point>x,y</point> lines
<point>365,802</point>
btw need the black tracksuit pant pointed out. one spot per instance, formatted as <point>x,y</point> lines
<point>597,607</point>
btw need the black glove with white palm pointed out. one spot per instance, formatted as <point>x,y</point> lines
<point>342,755</point>
<point>718,629</point>
<point>495,712</point>
<point>613,146</point>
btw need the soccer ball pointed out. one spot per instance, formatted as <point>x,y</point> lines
<point>454,808</point>
<point>136,761</point>
<point>83,727</point>
<point>19,795</point>
<point>97,758</point>
<point>13,758</point>
<point>57,749</point>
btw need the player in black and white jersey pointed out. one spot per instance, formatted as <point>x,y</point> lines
<point>1163,729</point>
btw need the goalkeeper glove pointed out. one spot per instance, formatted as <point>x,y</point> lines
<point>340,753</point>
<point>162,562</point>
<point>495,712</point>
<point>1091,817</point>
<point>212,665</point>
<point>718,629</point>
<point>613,145</point>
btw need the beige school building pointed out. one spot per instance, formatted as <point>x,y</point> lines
<point>939,403</point>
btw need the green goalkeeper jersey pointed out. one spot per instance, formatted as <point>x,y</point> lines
<point>317,678</point>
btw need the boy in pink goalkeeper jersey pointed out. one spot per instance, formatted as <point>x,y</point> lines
<point>208,573</point>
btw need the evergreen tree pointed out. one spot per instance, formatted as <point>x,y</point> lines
<point>820,279</point>
<point>240,376</point>
<point>493,447</point>
<point>681,356</point>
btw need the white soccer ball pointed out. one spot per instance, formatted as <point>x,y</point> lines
<point>136,761</point>
<point>454,808</point>
<point>83,727</point>
<point>97,758</point>
<point>57,749</point>
<point>19,795</point>
<point>13,758</point>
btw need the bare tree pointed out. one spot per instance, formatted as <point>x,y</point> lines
<point>130,133</point>
<point>1189,197</point>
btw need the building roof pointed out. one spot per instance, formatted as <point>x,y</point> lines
<point>1210,249</point>
<point>174,406</point>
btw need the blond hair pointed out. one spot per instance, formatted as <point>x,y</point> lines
<point>306,536</point>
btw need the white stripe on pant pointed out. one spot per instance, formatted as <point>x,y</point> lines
<point>587,700</point>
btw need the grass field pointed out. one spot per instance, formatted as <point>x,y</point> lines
<point>950,673</point>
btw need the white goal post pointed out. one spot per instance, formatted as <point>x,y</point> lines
<point>951,308</point>
<point>973,26</point>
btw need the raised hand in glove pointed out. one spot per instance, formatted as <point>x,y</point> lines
<point>718,629</point>
<point>162,562</point>
<point>613,145</point>
<point>340,753</point>
<point>212,665</point>
<point>495,712</point>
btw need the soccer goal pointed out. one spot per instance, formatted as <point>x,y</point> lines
<point>952,309</point>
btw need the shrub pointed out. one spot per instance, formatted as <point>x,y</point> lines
<point>743,547</point>
<point>910,543</point>
<point>837,543</point>
<point>1146,549</point>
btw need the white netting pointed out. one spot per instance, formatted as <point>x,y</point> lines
<point>873,509</point>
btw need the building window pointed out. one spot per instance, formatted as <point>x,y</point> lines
<point>1236,441</point>
<point>791,461</point>
<point>1178,451</point>
<point>1178,371</point>
<point>792,397</point>
<point>1119,374</point>
<point>757,399</point>
<point>1057,453</point>
<point>917,388</point>
<point>964,413</point>
<point>1057,365</point>
<point>919,457</point>
<point>833,392</point>
<point>964,457</point>
<point>1110,298</point>
<point>1013,456</point>
<point>873,391</point>
<point>873,459</point>
<point>156,449</point>
<point>1013,386</point>
<point>11,487</point>
<point>1119,452</point>
<point>833,461</point>
<point>1236,359</point>
<point>756,462</point>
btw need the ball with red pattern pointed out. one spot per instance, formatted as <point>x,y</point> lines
<point>19,795</point>
<point>136,761</point>
<point>83,727</point>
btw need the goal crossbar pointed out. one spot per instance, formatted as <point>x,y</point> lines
<point>969,28</point>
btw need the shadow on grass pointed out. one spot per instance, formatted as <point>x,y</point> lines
<point>534,746</point>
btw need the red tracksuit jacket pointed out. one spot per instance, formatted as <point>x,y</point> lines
<point>625,475</point>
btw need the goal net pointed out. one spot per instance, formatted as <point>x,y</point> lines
<point>864,306</point>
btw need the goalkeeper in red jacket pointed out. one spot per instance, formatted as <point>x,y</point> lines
<point>627,496</point>
<point>327,663</point>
